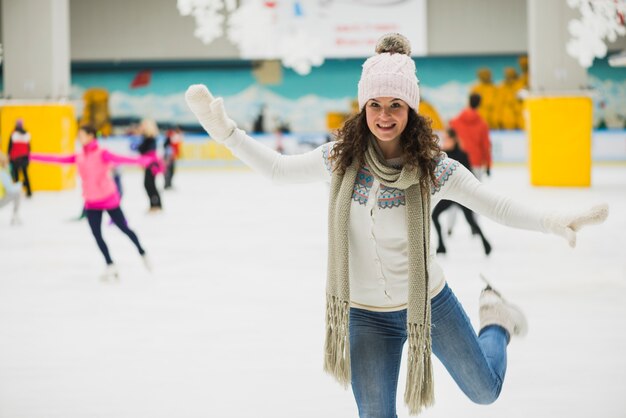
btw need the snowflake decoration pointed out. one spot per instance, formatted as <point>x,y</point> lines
<point>252,28</point>
<point>301,51</point>
<point>208,16</point>
<point>601,20</point>
<point>261,29</point>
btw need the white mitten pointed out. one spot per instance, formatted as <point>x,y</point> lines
<point>566,225</point>
<point>210,112</point>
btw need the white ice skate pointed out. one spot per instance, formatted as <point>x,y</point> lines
<point>495,310</point>
<point>110,274</point>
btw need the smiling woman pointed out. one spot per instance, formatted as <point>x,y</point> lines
<point>384,286</point>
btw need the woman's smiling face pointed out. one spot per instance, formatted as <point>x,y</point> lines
<point>386,118</point>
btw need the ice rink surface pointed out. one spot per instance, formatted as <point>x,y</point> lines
<point>231,322</point>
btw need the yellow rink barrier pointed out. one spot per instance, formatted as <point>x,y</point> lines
<point>206,150</point>
<point>559,140</point>
<point>52,128</point>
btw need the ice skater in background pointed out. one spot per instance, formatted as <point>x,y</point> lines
<point>117,178</point>
<point>451,147</point>
<point>148,146</point>
<point>171,153</point>
<point>19,150</point>
<point>384,287</point>
<point>99,190</point>
<point>9,192</point>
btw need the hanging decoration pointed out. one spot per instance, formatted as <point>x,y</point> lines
<point>300,49</point>
<point>601,21</point>
<point>260,29</point>
<point>252,27</point>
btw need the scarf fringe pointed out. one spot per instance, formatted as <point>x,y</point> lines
<point>337,345</point>
<point>419,393</point>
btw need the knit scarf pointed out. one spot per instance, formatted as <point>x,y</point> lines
<point>419,386</point>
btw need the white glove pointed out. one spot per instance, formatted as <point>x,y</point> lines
<point>567,225</point>
<point>210,112</point>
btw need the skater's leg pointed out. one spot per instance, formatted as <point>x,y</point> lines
<point>82,215</point>
<point>12,196</point>
<point>5,200</point>
<point>94,217</point>
<point>451,219</point>
<point>169,173</point>
<point>23,167</point>
<point>117,178</point>
<point>476,363</point>
<point>26,180</point>
<point>14,172</point>
<point>149,183</point>
<point>16,197</point>
<point>469,216</point>
<point>376,340</point>
<point>146,184</point>
<point>441,207</point>
<point>117,216</point>
<point>172,171</point>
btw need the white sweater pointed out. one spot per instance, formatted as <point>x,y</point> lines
<point>377,232</point>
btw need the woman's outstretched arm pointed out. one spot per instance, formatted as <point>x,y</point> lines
<point>461,186</point>
<point>307,167</point>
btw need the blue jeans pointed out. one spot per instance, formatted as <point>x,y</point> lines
<point>476,363</point>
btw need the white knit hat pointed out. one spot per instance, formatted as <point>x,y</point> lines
<point>390,73</point>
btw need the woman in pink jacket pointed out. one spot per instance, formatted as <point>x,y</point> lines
<point>99,191</point>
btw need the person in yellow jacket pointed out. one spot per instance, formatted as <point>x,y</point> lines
<point>522,84</point>
<point>427,110</point>
<point>508,108</point>
<point>488,94</point>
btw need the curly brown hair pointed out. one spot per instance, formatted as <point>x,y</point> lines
<point>420,146</point>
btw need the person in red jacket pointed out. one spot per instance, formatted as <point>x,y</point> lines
<point>473,132</point>
<point>171,153</point>
<point>19,151</point>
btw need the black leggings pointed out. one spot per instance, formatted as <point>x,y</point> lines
<point>149,182</point>
<point>94,216</point>
<point>469,216</point>
<point>17,165</point>
<point>169,173</point>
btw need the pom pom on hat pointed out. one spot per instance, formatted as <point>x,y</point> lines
<point>390,73</point>
<point>394,43</point>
